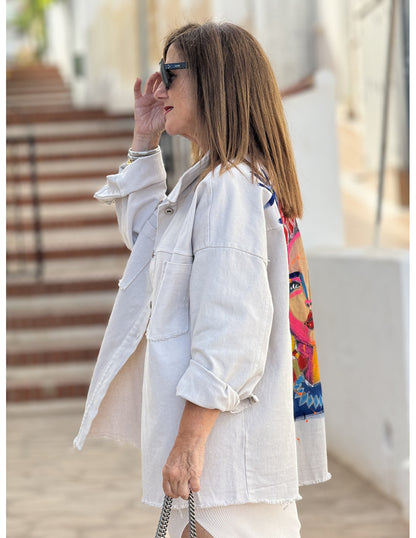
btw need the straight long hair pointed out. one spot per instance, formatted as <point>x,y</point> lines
<point>240,108</point>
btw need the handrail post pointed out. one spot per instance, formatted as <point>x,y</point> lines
<point>37,228</point>
<point>14,176</point>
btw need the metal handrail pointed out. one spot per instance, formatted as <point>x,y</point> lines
<point>14,178</point>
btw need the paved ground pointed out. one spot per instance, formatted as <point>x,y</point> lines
<point>56,492</point>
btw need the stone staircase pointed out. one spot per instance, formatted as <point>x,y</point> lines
<point>64,251</point>
<point>65,256</point>
<point>36,88</point>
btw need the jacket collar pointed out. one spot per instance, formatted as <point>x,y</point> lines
<point>187,179</point>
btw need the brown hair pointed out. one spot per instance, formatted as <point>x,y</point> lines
<point>241,111</point>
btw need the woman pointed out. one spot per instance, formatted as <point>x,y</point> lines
<point>214,307</point>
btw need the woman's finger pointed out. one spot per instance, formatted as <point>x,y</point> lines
<point>158,81</point>
<point>183,490</point>
<point>167,489</point>
<point>194,483</point>
<point>138,87</point>
<point>151,83</point>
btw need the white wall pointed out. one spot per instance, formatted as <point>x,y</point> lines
<point>373,31</point>
<point>109,34</point>
<point>285,29</point>
<point>352,39</point>
<point>361,312</point>
<point>104,35</point>
<point>311,117</point>
<point>333,41</point>
<point>59,46</point>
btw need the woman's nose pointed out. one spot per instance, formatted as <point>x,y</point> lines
<point>161,91</point>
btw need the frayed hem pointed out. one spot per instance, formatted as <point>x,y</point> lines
<point>107,437</point>
<point>77,445</point>
<point>283,502</point>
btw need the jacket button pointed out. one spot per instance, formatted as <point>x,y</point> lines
<point>169,211</point>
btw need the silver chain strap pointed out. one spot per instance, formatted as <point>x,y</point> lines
<point>162,527</point>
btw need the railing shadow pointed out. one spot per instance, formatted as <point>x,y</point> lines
<point>21,169</point>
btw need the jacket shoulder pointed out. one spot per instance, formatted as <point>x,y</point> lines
<point>230,211</point>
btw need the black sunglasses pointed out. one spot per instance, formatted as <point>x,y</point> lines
<point>165,68</point>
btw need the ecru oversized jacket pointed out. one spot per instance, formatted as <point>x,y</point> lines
<point>202,314</point>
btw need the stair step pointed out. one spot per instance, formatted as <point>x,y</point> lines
<point>66,223</point>
<point>24,358</point>
<point>82,308</point>
<point>30,394</point>
<point>58,338</point>
<point>73,126</point>
<point>66,138</point>
<point>110,267</point>
<point>46,98</point>
<point>99,165</point>
<point>33,288</point>
<point>36,111</point>
<point>29,117</point>
<point>88,209</point>
<point>70,175</point>
<point>55,324</point>
<point>43,382</point>
<point>58,187</point>
<point>120,154</point>
<point>79,143</point>
<point>55,345</point>
<point>69,252</point>
<point>46,199</point>
<point>21,88</point>
<point>94,237</point>
<point>29,87</point>
<point>59,193</point>
<point>61,320</point>
<point>33,73</point>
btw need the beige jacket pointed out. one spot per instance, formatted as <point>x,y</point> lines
<point>202,314</point>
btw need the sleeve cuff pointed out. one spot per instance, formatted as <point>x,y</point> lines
<point>201,387</point>
<point>140,174</point>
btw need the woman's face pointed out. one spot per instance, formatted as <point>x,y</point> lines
<point>180,109</point>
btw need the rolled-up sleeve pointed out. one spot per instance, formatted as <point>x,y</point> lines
<point>231,315</point>
<point>136,190</point>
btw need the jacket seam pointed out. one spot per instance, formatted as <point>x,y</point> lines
<point>210,209</point>
<point>227,247</point>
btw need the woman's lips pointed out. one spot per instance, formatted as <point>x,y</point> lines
<point>168,109</point>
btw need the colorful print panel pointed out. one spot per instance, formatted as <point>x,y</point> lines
<point>307,392</point>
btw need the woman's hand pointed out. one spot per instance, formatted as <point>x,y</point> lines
<point>149,120</point>
<point>184,465</point>
<point>183,468</point>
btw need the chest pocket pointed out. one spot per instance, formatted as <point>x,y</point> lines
<point>170,309</point>
<point>140,255</point>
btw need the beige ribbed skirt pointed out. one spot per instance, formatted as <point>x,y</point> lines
<point>242,521</point>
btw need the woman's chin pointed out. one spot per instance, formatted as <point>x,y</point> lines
<point>169,130</point>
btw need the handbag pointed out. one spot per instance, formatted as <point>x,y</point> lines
<point>162,527</point>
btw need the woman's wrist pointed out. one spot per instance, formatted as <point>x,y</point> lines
<point>144,142</point>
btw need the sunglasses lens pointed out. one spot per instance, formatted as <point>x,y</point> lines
<point>164,74</point>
